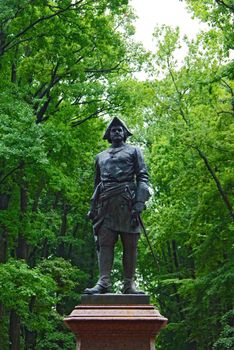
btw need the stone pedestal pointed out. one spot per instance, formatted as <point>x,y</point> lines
<point>115,322</point>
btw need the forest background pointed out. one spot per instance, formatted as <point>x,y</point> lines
<point>66,68</point>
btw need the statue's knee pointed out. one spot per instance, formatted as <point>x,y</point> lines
<point>107,238</point>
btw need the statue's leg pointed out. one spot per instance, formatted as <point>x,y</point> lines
<point>106,243</point>
<point>107,239</point>
<point>129,242</point>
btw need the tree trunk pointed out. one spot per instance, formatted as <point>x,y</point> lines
<point>4,203</point>
<point>175,255</point>
<point>179,307</point>
<point>13,73</point>
<point>30,340</point>
<point>30,337</point>
<point>191,262</point>
<point>56,200</point>
<point>22,249</point>
<point>169,253</point>
<point>14,331</point>
<point>37,195</point>
<point>45,250</point>
<point>63,230</point>
<point>1,326</point>
<point>3,244</point>
<point>74,234</point>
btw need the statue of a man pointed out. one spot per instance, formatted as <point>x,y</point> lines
<point>121,190</point>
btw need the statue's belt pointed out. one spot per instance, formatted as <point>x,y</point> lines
<point>109,190</point>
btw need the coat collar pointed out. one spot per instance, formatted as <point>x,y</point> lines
<point>113,150</point>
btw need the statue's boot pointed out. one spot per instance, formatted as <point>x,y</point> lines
<point>129,263</point>
<point>105,259</point>
<point>97,289</point>
<point>130,288</point>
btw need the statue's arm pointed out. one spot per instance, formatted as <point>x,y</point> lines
<point>97,177</point>
<point>142,180</point>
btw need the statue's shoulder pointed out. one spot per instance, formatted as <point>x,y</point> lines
<point>129,147</point>
<point>102,153</point>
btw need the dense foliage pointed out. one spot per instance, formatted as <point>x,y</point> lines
<point>63,66</point>
<point>189,142</point>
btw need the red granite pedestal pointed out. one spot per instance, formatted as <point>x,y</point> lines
<point>115,322</point>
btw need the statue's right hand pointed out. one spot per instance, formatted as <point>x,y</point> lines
<point>90,215</point>
<point>139,207</point>
<point>135,218</point>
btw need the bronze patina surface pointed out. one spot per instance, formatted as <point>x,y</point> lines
<point>120,192</point>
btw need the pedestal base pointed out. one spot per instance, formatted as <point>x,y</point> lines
<point>113,326</point>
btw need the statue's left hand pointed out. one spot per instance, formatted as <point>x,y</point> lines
<point>138,207</point>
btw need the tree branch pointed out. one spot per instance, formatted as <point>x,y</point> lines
<point>222,3</point>
<point>18,10</point>
<point>95,114</point>
<point>43,109</point>
<point>39,20</point>
<point>10,172</point>
<point>217,182</point>
<point>104,70</point>
<point>39,90</point>
<point>225,112</point>
<point>58,103</point>
<point>177,90</point>
<point>54,80</point>
<point>224,83</point>
<point>85,102</point>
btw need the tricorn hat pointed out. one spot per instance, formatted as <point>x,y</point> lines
<point>116,122</point>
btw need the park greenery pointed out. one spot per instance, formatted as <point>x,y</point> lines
<point>66,68</point>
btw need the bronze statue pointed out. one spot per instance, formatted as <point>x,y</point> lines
<point>121,190</point>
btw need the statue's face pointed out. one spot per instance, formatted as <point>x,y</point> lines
<point>117,133</point>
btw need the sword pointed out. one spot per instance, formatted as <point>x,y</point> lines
<point>138,218</point>
<point>147,239</point>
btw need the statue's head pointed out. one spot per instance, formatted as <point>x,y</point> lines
<point>116,124</point>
